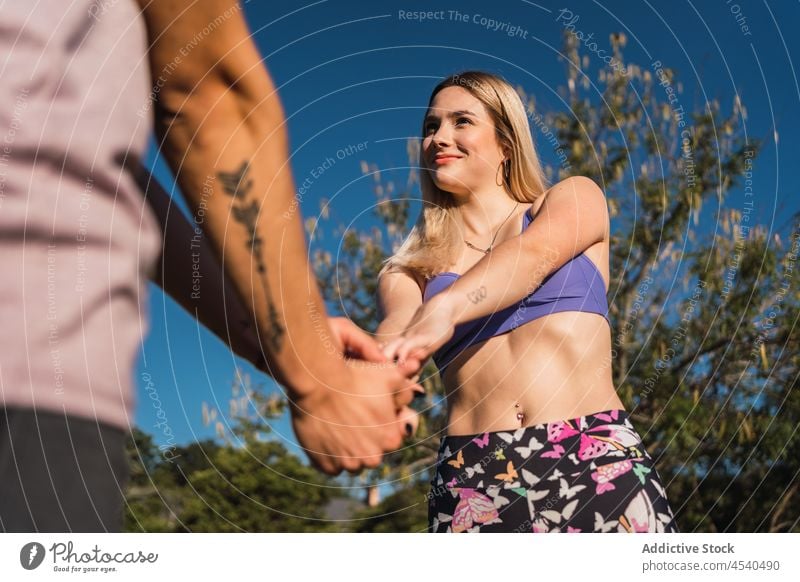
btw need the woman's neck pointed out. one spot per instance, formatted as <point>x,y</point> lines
<point>483,216</point>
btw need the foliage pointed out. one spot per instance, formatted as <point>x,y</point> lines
<point>705,353</point>
<point>242,481</point>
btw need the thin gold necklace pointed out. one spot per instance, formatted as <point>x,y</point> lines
<point>486,251</point>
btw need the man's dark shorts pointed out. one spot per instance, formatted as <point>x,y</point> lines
<point>60,473</point>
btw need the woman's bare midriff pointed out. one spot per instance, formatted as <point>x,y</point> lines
<point>553,368</point>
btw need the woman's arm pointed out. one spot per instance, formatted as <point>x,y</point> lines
<point>573,217</point>
<point>399,298</point>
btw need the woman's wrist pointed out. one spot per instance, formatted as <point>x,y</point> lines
<point>444,304</point>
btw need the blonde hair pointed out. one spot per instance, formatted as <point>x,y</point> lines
<point>433,243</point>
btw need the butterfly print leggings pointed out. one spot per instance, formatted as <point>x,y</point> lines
<point>585,474</point>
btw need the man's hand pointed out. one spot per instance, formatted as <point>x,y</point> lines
<point>355,343</point>
<point>349,423</point>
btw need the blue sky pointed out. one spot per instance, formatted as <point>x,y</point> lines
<point>354,73</point>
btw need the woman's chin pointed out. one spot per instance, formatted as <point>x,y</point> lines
<point>447,183</point>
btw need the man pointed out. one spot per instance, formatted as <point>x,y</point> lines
<point>79,241</point>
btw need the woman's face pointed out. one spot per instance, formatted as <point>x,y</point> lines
<point>459,146</point>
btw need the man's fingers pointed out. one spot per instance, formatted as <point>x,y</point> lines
<point>369,456</point>
<point>370,462</point>
<point>357,342</point>
<point>390,351</point>
<point>352,466</point>
<point>419,355</point>
<point>324,463</point>
<point>409,346</point>
<point>409,421</point>
<point>410,366</point>
<point>370,351</point>
<point>335,324</point>
<point>405,396</point>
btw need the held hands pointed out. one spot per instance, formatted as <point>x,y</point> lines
<point>361,411</point>
<point>430,328</point>
<point>357,344</point>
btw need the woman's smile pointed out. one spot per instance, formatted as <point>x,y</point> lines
<point>440,160</point>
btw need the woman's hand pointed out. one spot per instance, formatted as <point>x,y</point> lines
<point>430,328</point>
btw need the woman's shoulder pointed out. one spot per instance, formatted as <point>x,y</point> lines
<point>572,183</point>
<point>409,273</point>
<point>580,203</point>
<point>580,185</point>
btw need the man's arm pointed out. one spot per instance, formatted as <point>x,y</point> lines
<point>223,133</point>
<point>188,272</point>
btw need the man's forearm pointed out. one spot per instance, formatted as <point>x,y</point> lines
<point>231,159</point>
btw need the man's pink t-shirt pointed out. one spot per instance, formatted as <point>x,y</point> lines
<point>77,239</point>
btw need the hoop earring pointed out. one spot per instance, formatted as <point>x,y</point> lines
<point>496,181</point>
<point>506,165</point>
<point>505,177</point>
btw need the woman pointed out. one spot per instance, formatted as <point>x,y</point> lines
<point>504,282</point>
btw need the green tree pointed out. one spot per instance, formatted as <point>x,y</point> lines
<point>703,319</point>
<point>257,487</point>
<point>150,494</point>
<point>242,481</point>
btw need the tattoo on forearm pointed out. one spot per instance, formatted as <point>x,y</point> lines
<point>478,295</point>
<point>238,185</point>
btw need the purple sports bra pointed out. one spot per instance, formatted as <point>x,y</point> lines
<point>576,286</point>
